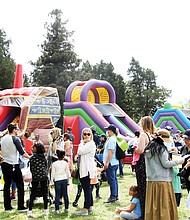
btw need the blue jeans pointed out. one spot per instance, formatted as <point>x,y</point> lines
<point>111,173</point>
<point>120,168</point>
<point>61,189</point>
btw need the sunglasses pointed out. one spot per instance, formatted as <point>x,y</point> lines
<point>85,134</point>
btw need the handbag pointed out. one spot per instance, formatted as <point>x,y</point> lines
<point>75,173</point>
<point>26,174</point>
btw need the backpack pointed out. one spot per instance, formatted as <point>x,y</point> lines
<point>121,147</point>
<point>120,154</point>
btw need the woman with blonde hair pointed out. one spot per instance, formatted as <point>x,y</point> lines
<point>148,128</point>
<point>68,147</point>
<point>87,168</point>
<point>57,143</point>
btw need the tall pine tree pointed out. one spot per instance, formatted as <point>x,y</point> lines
<point>144,97</point>
<point>57,65</point>
<point>7,64</point>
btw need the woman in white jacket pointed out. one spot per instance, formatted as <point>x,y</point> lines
<point>87,168</point>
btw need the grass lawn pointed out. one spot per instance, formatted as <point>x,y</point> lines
<point>101,210</point>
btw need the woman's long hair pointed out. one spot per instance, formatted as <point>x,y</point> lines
<point>147,124</point>
<point>156,146</point>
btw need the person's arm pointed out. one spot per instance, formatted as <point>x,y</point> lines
<point>110,153</point>
<point>85,148</point>
<point>168,163</point>
<point>129,208</point>
<point>19,147</point>
<point>141,144</point>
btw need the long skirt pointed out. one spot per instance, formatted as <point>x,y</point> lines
<point>160,201</point>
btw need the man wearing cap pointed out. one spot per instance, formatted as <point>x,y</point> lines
<point>111,164</point>
<point>96,137</point>
<point>185,150</point>
<point>171,146</point>
<point>69,131</point>
<point>11,147</point>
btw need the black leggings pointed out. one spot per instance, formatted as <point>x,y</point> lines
<point>39,187</point>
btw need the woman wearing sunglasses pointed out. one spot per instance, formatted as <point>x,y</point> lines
<point>87,168</point>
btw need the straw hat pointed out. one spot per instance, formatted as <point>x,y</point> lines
<point>164,135</point>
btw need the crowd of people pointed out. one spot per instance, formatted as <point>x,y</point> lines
<point>154,164</point>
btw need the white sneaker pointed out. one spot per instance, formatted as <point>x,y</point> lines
<point>56,211</point>
<point>82,212</point>
<point>46,211</point>
<point>29,213</point>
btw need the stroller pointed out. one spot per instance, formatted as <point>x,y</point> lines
<point>39,194</point>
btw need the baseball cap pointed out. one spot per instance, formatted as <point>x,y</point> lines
<point>187,134</point>
<point>69,129</point>
<point>169,128</point>
<point>111,127</point>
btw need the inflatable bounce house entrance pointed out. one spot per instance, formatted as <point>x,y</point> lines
<point>35,109</point>
<point>173,115</point>
<point>90,103</point>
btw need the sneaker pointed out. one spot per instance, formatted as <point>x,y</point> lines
<point>121,176</point>
<point>13,198</point>
<point>110,200</point>
<point>75,204</point>
<point>23,209</point>
<point>46,211</point>
<point>66,210</point>
<point>56,211</point>
<point>82,212</point>
<point>10,209</point>
<point>90,211</point>
<point>29,213</point>
<point>98,197</point>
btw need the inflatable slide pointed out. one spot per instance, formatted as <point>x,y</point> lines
<point>93,103</point>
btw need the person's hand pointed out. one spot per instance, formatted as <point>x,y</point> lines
<point>86,141</point>
<point>105,166</point>
<point>185,157</point>
<point>188,164</point>
<point>52,186</point>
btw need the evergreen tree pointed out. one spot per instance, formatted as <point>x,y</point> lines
<point>58,64</point>
<point>144,97</point>
<point>7,64</point>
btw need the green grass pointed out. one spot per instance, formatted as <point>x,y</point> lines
<point>101,210</point>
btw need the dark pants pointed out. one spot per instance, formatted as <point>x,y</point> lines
<point>140,169</point>
<point>120,168</point>
<point>39,188</point>
<point>97,185</point>
<point>79,191</point>
<point>61,190</point>
<point>12,172</point>
<point>178,198</point>
<point>88,199</point>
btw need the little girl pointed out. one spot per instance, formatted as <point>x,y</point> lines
<point>133,211</point>
<point>38,168</point>
<point>60,175</point>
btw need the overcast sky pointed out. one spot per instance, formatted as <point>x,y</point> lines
<point>156,33</point>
